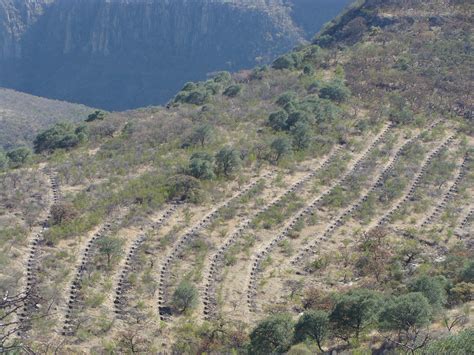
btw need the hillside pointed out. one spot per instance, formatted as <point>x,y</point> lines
<point>22,116</point>
<point>325,203</point>
<point>123,54</point>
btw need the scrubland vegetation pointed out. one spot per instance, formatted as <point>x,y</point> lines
<point>321,203</point>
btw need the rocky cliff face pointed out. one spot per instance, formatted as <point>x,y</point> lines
<point>119,54</point>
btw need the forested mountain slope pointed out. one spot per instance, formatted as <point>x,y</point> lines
<point>125,54</point>
<point>325,203</point>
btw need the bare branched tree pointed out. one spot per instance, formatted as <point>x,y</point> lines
<point>10,322</point>
<point>14,321</point>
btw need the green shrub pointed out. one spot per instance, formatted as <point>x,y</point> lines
<point>110,247</point>
<point>189,86</point>
<point>355,312</point>
<point>277,120</point>
<point>60,136</point>
<point>184,188</point>
<point>212,87</point>
<point>19,156</point>
<point>202,134</point>
<point>233,90</point>
<point>314,87</point>
<point>301,136</point>
<point>296,117</point>
<point>185,297</point>
<point>461,343</point>
<point>222,77</point>
<point>323,41</point>
<point>336,91</point>
<point>405,313</point>
<point>433,288</point>
<point>286,98</point>
<point>401,117</point>
<point>308,70</point>
<point>313,325</point>
<point>227,161</point>
<point>280,147</point>
<point>273,335</point>
<point>201,166</point>
<point>462,292</point>
<point>197,97</point>
<point>284,62</point>
<point>96,116</point>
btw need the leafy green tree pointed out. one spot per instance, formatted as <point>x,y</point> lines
<point>312,325</point>
<point>110,247</point>
<point>301,136</point>
<point>185,297</point>
<point>19,156</point>
<point>202,134</point>
<point>96,116</point>
<point>233,90</point>
<point>405,314</point>
<point>335,91</point>
<point>433,288</point>
<point>227,161</point>
<point>277,120</point>
<point>280,147</point>
<point>273,335</point>
<point>201,166</point>
<point>354,312</point>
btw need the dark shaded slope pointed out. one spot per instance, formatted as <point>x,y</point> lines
<point>125,54</point>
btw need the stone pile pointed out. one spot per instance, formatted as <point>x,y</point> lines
<point>32,305</point>
<point>75,298</point>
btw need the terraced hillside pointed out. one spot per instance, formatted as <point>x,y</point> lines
<point>323,203</point>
